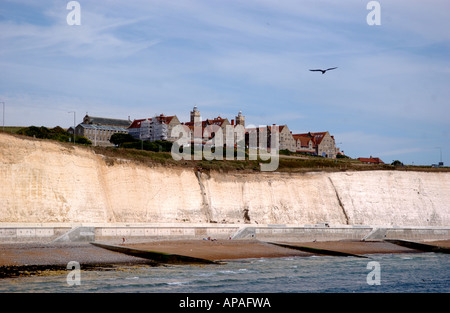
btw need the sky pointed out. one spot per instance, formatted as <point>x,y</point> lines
<point>388,98</point>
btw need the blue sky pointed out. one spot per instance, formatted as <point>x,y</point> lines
<point>389,96</point>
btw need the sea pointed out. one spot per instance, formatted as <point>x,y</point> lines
<point>378,273</point>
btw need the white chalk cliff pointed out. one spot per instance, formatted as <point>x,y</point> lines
<point>44,181</point>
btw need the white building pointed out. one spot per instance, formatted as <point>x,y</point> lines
<point>152,129</point>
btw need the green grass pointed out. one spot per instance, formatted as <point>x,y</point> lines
<point>286,164</point>
<point>11,129</point>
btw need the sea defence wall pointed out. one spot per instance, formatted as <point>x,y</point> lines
<point>44,182</point>
<point>118,233</point>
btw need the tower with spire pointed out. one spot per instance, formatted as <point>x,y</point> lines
<point>195,115</point>
<point>240,119</point>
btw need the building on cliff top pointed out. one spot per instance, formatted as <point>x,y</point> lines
<point>320,143</point>
<point>105,121</point>
<point>155,128</point>
<point>100,129</point>
<point>207,126</point>
<point>286,140</point>
<point>371,160</point>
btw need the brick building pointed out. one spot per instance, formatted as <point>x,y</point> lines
<point>371,160</point>
<point>207,132</point>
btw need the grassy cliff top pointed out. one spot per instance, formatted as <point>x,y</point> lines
<point>288,162</point>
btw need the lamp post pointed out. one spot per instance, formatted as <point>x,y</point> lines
<point>440,159</point>
<point>340,143</point>
<point>3,115</point>
<point>74,122</point>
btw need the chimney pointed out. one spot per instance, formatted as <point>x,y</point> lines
<point>232,122</point>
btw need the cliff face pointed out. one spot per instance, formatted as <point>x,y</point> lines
<point>352,198</point>
<point>42,181</point>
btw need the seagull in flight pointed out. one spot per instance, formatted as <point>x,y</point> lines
<point>323,71</point>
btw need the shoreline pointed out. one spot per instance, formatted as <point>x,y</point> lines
<point>28,259</point>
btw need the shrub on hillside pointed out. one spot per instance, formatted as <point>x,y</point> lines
<point>82,140</point>
<point>56,133</point>
<point>397,163</point>
<point>155,146</point>
<point>119,139</point>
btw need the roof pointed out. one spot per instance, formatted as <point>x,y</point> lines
<point>215,121</point>
<point>137,123</point>
<point>102,127</point>
<point>304,140</point>
<point>315,137</point>
<point>105,121</point>
<point>164,119</point>
<point>161,118</point>
<point>318,137</point>
<point>371,160</point>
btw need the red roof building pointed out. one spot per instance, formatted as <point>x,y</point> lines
<point>155,128</point>
<point>371,160</point>
<point>320,143</point>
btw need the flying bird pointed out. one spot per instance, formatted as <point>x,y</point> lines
<point>323,71</point>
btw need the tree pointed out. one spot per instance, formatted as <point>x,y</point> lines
<point>163,145</point>
<point>33,131</point>
<point>56,133</point>
<point>397,163</point>
<point>83,140</point>
<point>119,139</point>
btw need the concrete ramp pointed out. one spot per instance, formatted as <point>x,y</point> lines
<point>78,234</point>
<point>376,234</point>
<point>244,233</point>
